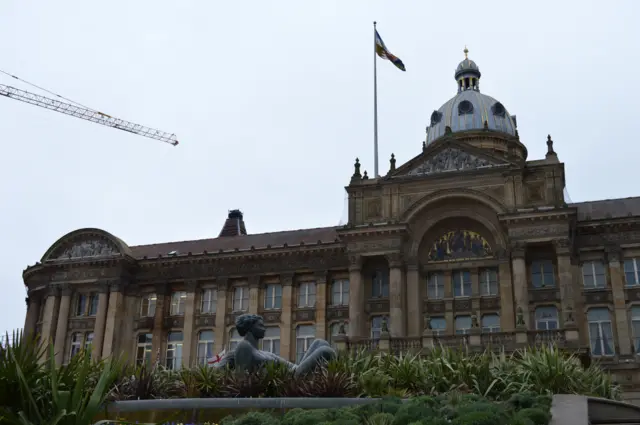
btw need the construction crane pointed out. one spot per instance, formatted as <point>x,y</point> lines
<point>87,114</point>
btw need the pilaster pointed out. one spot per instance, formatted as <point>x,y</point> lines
<point>286,280</point>
<point>221,313</point>
<point>414,299</point>
<point>520,286</point>
<point>50,317</point>
<point>114,310</point>
<point>619,305</point>
<point>100,323</point>
<point>396,296</point>
<point>321,305</point>
<point>507,310</point>
<point>63,321</point>
<point>159,334</point>
<point>33,311</point>
<point>189,318</point>
<point>356,298</point>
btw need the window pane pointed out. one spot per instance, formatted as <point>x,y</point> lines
<point>435,286</point>
<point>305,331</point>
<point>598,314</point>
<point>438,324</point>
<point>206,336</point>
<point>463,324</point>
<point>93,305</point>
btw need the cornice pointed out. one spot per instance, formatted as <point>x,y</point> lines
<point>538,215</point>
<point>390,228</point>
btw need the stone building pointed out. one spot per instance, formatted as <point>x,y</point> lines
<point>468,242</point>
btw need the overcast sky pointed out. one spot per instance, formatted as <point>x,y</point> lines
<point>272,101</point>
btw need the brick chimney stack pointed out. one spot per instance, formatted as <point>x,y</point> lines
<point>234,226</point>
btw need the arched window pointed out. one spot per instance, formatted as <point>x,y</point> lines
<point>305,334</point>
<point>234,339</point>
<point>600,332</point>
<point>271,340</point>
<point>143,349</point>
<point>463,324</point>
<point>205,346</point>
<point>546,318</point>
<point>438,325</point>
<point>174,350</point>
<point>490,323</point>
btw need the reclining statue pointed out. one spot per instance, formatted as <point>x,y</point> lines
<point>247,357</point>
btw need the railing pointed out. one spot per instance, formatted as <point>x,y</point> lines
<point>405,345</point>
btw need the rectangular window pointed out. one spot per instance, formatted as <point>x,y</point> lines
<point>542,275</point>
<point>593,275</point>
<point>178,300</point>
<point>305,334</point>
<point>463,324</point>
<point>490,323</point>
<point>546,318</point>
<point>377,323</point>
<point>88,340</point>
<point>174,351</point>
<point>600,332</point>
<point>461,283</point>
<point>438,325</point>
<point>93,304</point>
<point>148,305</point>
<point>209,301</point>
<point>81,305</point>
<point>435,286</point>
<point>240,298</point>
<point>271,341</point>
<point>635,327</point>
<point>143,349</point>
<point>380,284</point>
<point>488,282</point>
<point>631,271</point>
<point>307,294</point>
<point>76,344</point>
<point>340,292</point>
<point>205,347</point>
<point>273,297</point>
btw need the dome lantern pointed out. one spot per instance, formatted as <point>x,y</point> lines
<point>467,74</point>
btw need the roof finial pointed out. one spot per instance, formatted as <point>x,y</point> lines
<point>466,52</point>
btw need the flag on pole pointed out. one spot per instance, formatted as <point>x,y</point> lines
<point>216,359</point>
<point>384,53</point>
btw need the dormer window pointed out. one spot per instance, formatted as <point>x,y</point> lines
<point>465,107</point>
<point>436,117</point>
<point>498,109</point>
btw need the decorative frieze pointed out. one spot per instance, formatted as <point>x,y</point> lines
<point>489,303</point>
<point>272,316</point>
<point>434,307</point>
<point>544,295</point>
<point>176,322</point>
<point>632,293</point>
<point>81,324</point>
<point>335,313</point>
<point>462,304</point>
<point>306,315</point>
<point>377,306</point>
<point>143,323</point>
<point>205,320</point>
<point>539,231</point>
<point>598,296</point>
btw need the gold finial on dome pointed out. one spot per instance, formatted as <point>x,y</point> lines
<point>466,52</point>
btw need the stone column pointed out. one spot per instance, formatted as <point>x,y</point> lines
<point>50,318</point>
<point>286,319</point>
<point>254,294</point>
<point>114,310</point>
<point>565,277</point>
<point>357,319</point>
<point>158,335</point>
<point>221,313</point>
<point>619,307</point>
<point>520,286</point>
<point>507,310</point>
<point>321,305</point>
<point>63,321</point>
<point>101,321</point>
<point>397,328</point>
<point>33,311</point>
<point>448,303</point>
<point>189,319</point>
<point>414,300</point>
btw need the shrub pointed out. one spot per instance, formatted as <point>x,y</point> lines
<point>256,418</point>
<point>535,415</point>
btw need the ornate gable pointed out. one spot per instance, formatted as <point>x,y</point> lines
<point>448,158</point>
<point>88,248</point>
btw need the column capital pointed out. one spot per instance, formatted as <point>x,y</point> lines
<point>53,291</point>
<point>395,259</point>
<point>614,253</point>
<point>355,262</point>
<point>162,288</point>
<point>66,290</point>
<point>562,246</point>
<point>321,276</point>
<point>286,279</point>
<point>222,284</point>
<point>102,286</point>
<point>191,285</point>
<point>254,282</point>
<point>518,250</point>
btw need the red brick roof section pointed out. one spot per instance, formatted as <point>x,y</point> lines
<point>230,243</point>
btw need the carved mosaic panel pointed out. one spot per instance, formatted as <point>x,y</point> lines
<point>450,159</point>
<point>544,294</point>
<point>144,323</point>
<point>377,306</point>
<point>548,230</point>
<point>432,307</point>
<point>632,294</point>
<point>462,305</point>
<point>84,323</point>
<point>86,249</point>
<point>597,296</point>
<point>272,316</point>
<point>373,208</point>
<point>460,244</point>
<point>489,303</point>
<point>334,313</point>
<point>306,315</point>
<point>205,320</point>
<point>173,322</point>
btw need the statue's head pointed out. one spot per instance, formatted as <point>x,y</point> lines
<point>250,324</point>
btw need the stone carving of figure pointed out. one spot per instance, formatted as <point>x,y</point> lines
<point>474,321</point>
<point>520,317</point>
<point>247,356</point>
<point>427,322</point>
<point>342,330</point>
<point>84,249</point>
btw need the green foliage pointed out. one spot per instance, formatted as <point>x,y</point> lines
<point>256,418</point>
<point>536,415</point>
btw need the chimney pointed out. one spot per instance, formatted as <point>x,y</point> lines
<point>234,226</point>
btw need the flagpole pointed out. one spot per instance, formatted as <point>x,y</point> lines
<point>375,105</point>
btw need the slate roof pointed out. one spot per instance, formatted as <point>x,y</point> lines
<point>608,208</point>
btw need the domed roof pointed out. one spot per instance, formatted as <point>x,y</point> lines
<point>470,109</point>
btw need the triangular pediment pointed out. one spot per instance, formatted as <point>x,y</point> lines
<point>447,158</point>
